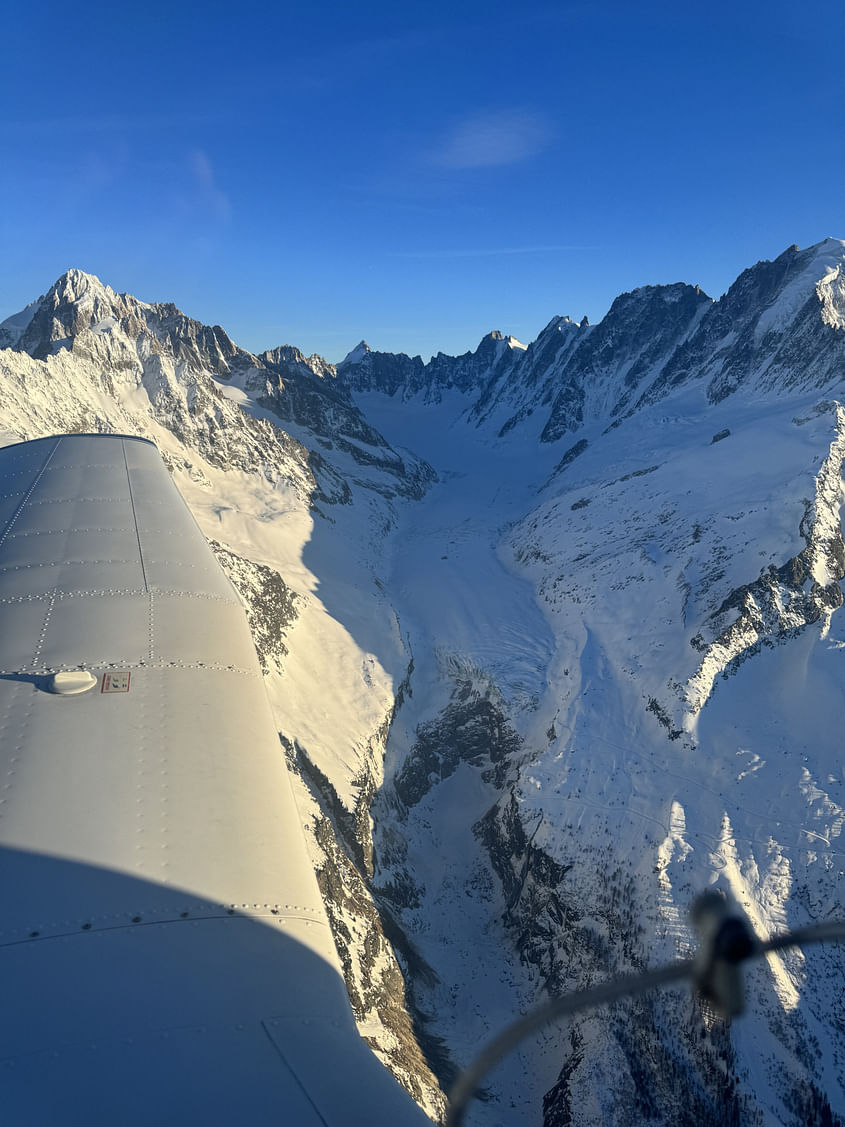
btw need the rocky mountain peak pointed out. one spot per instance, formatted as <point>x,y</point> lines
<point>289,362</point>
<point>358,354</point>
<point>76,285</point>
<point>81,313</point>
<point>76,302</point>
<point>489,346</point>
<point>284,354</point>
<point>557,327</point>
<point>788,281</point>
<point>646,301</point>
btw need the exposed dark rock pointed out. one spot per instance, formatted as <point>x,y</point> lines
<point>683,1077</point>
<point>615,358</point>
<point>381,966</point>
<point>270,604</point>
<point>471,729</point>
<point>574,451</point>
<point>663,717</point>
<point>373,977</point>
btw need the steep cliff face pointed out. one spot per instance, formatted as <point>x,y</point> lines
<point>802,591</point>
<point>774,330</point>
<point>660,1058</point>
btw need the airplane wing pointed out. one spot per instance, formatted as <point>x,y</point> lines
<point>164,952</point>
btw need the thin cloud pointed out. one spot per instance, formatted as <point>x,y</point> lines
<point>112,123</point>
<point>487,252</point>
<point>485,140</point>
<point>212,199</point>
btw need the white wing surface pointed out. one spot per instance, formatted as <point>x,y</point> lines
<point>164,952</point>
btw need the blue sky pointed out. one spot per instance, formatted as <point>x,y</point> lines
<point>418,173</point>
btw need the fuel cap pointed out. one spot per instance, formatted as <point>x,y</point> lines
<point>70,683</point>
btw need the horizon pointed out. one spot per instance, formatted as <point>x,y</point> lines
<point>400,352</point>
<point>419,177</point>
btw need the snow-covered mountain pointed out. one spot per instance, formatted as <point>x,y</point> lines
<point>552,641</point>
<point>365,370</point>
<point>769,331</point>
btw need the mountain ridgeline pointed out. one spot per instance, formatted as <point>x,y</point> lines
<point>775,329</point>
<point>552,640</point>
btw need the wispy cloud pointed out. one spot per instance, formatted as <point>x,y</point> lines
<point>116,123</point>
<point>487,252</point>
<point>210,197</point>
<point>484,140</point>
